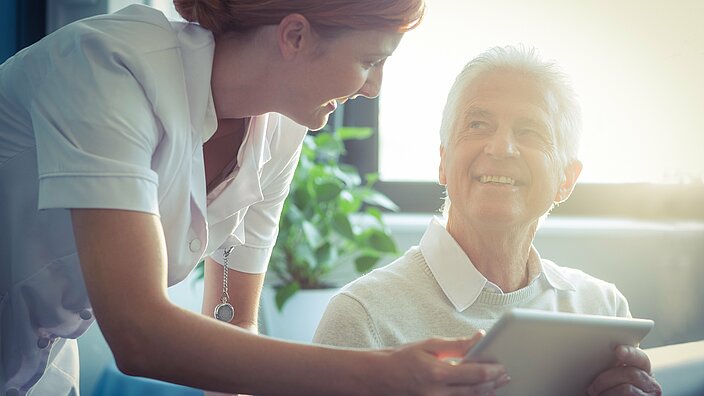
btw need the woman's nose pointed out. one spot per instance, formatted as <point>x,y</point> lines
<point>372,86</point>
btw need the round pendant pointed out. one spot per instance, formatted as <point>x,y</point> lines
<point>224,312</point>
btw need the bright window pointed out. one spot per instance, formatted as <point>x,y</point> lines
<point>636,65</point>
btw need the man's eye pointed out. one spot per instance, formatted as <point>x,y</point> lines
<point>531,133</point>
<point>478,125</point>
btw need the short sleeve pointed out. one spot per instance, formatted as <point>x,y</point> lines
<point>346,323</point>
<point>95,128</point>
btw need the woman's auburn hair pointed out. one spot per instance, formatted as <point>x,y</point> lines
<point>328,17</point>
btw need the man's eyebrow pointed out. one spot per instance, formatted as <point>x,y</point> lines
<point>478,112</point>
<point>534,122</point>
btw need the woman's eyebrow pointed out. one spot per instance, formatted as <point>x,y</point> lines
<point>379,54</point>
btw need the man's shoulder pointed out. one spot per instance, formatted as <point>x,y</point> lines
<point>398,277</point>
<point>577,277</point>
<point>601,296</point>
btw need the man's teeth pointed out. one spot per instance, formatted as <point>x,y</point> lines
<point>497,179</point>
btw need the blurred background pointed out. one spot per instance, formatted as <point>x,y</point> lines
<point>636,218</point>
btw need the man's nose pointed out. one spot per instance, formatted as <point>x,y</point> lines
<point>502,144</point>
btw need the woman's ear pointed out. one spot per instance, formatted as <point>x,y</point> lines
<point>294,35</point>
<point>570,173</point>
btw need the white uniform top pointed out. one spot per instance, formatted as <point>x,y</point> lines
<point>112,112</point>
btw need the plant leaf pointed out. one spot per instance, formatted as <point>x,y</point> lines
<point>327,191</point>
<point>374,212</point>
<point>329,146</point>
<point>357,133</point>
<point>312,234</point>
<point>341,223</point>
<point>301,197</point>
<point>348,202</point>
<point>326,256</point>
<point>376,198</point>
<point>365,263</point>
<point>382,242</point>
<point>284,293</point>
<point>348,176</point>
<point>371,178</point>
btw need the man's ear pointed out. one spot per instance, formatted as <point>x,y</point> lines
<point>294,35</point>
<point>569,178</point>
<point>441,171</point>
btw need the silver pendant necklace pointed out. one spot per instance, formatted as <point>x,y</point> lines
<point>225,311</point>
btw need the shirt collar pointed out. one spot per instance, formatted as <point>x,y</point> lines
<point>197,48</point>
<point>458,277</point>
<point>245,189</point>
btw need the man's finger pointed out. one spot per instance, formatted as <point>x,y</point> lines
<point>632,356</point>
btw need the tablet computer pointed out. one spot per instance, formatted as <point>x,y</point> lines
<point>555,353</point>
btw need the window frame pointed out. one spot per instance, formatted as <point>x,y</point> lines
<point>643,201</point>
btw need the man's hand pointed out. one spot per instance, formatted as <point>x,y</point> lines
<point>630,375</point>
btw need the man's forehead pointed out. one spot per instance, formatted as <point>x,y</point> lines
<point>491,109</point>
<point>483,95</point>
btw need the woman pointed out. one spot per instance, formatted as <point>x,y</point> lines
<point>140,146</point>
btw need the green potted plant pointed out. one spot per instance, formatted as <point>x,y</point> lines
<point>331,218</point>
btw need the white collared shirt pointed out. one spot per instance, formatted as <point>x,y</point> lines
<point>460,279</point>
<point>112,112</point>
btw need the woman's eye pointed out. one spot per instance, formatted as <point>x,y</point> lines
<point>373,64</point>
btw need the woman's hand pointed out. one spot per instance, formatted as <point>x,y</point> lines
<point>630,375</point>
<point>434,367</point>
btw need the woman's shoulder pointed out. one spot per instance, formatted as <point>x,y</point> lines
<point>135,28</point>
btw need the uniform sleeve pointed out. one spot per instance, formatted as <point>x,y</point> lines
<point>346,323</point>
<point>95,129</point>
<point>261,222</point>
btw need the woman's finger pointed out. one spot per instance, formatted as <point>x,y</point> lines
<point>444,348</point>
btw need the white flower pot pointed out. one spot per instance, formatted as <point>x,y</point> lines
<point>300,316</point>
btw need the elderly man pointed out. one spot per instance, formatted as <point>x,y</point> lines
<point>509,140</point>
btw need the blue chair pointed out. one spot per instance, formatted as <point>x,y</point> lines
<point>113,383</point>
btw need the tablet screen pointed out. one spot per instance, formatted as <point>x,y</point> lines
<point>554,353</point>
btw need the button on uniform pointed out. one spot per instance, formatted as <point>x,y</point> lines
<point>85,314</point>
<point>194,245</point>
<point>12,392</point>
<point>43,342</point>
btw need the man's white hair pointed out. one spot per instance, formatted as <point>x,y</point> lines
<point>527,62</point>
